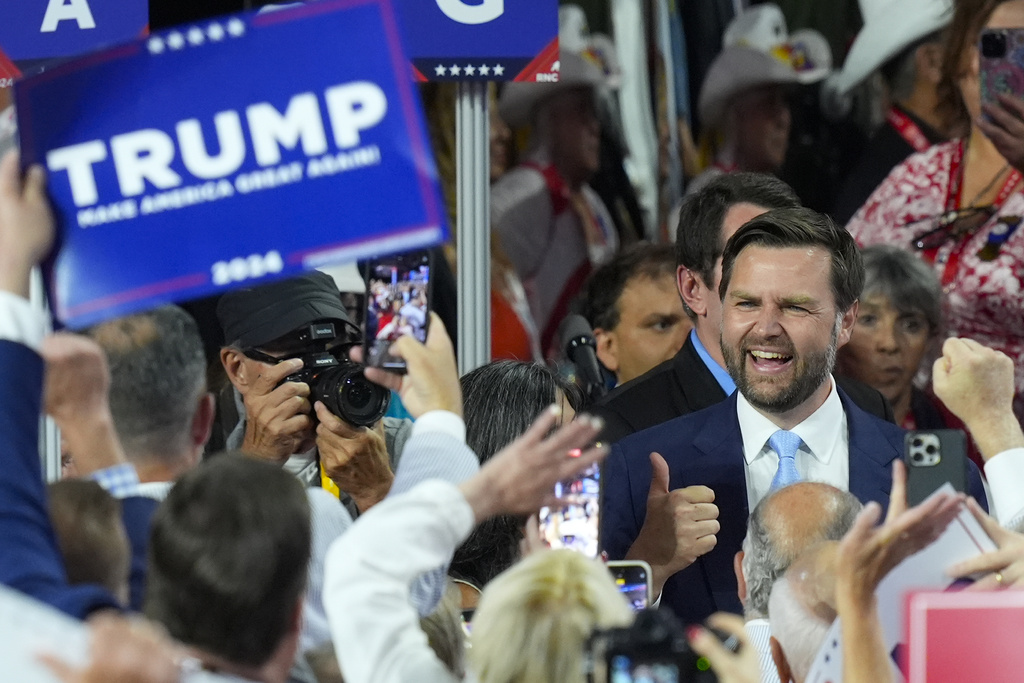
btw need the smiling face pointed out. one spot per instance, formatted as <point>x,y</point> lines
<point>781,329</point>
<point>886,347</point>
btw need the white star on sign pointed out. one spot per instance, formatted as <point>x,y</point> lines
<point>470,70</point>
<point>196,35</point>
<point>175,41</point>
<point>499,70</point>
<point>454,69</point>
<point>439,71</point>
<point>236,27</point>
<point>485,70</point>
<point>156,45</point>
<point>216,32</point>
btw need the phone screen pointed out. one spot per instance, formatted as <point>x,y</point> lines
<point>575,523</point>
<point>1001,63</point>
<point>623,669</point>
<point>397,304</point>
<point>633,581</point>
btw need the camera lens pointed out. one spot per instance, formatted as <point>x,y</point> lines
<point>352,397</point>
<point>993,45</point>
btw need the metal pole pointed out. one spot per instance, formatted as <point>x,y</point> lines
<point>49,435</point>
<point>472,132</point>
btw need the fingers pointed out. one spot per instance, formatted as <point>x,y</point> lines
<point>355,354</point>
<point>699,494</point>
<point>659,476</point>
<point>994,561</point>
<point>35,184</point>
<point>58,667</point>
<point>991,527</point>
<point>272,375</point>
<point>437,336</point>
<point>388,380</point>
<point>333,423</point>
<point>898,493</point>
<point>10,183</point>
<point>574,466</point>
<point>542,425</point>
<point>1014,105</point>
<point>863,525</point>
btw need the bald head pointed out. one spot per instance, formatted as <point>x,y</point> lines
<point>781,527</point>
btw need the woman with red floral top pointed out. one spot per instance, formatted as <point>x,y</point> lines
<point>960,204</point>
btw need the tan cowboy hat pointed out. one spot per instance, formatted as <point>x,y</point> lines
<point>889,27</point>
<point>758,50</point>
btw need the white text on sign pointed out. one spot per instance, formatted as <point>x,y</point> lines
<point>146,155</point>
<point>65,10</point>
<point>480,13</point>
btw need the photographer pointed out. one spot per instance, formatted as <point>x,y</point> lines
<point>280,336</point>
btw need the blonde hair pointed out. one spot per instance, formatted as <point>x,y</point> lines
<point>533,620</point>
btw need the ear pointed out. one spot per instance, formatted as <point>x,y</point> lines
<point>846,324</point>
<point>741,580</point>
<point>607,349</point>
<point>235,368</point>
<point>202,420</point>
<point>781,664</point>
<point>928,62</point>
<point>693,290</point>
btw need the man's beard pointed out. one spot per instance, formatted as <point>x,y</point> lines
<point>773,394</point>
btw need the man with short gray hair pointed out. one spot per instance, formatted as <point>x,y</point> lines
<point>161,408</point>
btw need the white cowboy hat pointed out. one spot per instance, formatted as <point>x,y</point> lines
<point>758,50</point>
<point>889,27</point>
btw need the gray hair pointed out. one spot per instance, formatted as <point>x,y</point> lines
<point>767,552</point>
<point>800,631</point>
<point>157,373</point>
<point>900,72</point>
<point>909,284</point>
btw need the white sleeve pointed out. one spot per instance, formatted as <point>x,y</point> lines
<point>20,322</point>
<point>1005,474</point>
<point>375,628</point>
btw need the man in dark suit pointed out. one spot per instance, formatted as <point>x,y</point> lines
<point>789,287</point>
<point>696,378</point>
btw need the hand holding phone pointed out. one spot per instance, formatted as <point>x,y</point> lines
<point>633,579</point>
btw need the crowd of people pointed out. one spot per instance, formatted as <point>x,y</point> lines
<point>763,373</point>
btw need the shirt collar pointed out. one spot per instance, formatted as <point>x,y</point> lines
<point>818,431</point>
<point>719,373</point>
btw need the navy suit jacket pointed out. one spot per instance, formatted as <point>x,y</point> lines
<point>706,448</point>
<point>30,560</point>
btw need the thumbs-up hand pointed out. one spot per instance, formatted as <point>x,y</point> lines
<point>679,527</point>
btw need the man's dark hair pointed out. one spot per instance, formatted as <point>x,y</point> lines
<point>784,228</point>
<point>157,374</point>
<point>501,400</point>
<point>228,556</point>
<point>699,240</point>
<point>599,301</point>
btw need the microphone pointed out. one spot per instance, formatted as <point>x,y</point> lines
<point>578,342</point>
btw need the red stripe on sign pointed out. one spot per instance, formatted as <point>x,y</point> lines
<point>7,68</point>
<point>544,63</point>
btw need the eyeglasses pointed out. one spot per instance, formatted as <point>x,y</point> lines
<point>952,225</point>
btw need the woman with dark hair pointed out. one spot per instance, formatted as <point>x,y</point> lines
<point>959,205</point>
<point>500,402</point>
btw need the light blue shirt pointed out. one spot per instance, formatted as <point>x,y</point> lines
<point>720,374</point>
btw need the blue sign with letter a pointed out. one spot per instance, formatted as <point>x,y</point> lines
<point>40,29</point>
<point>496,40</point>
<point>230,151</point>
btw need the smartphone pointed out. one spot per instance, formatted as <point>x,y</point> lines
<point>633,579</point>
<point>575,522</point>
<point>1001,63</point>
<point>398,289</point>
<point>934,457</point>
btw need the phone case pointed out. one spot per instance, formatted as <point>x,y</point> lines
<point>934,457</point>
<point>1001,55</point>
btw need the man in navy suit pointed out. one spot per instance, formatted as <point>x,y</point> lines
<point>678,494</point>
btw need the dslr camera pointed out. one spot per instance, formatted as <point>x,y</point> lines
<point>338,382</point>
<point>654,649</point>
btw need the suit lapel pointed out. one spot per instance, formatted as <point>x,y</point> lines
<point>872,451</point>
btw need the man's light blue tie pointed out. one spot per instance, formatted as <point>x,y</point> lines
<point>786,444</point>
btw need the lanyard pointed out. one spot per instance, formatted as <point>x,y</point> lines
<point>953,200</point>
<point>907,129</point>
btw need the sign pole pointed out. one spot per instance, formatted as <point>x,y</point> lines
<point>472,132</point>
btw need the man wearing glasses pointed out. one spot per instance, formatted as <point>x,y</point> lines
<point>279,338</point>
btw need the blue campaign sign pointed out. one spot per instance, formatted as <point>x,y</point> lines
<point>228,151</point>
<point>40,29</point>
<point>497,40</point>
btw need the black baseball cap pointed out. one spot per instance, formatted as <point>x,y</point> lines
<point>255,316</point>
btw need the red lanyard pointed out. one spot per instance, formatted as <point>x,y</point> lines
<point>907,129</point>
<point>953,200</point>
